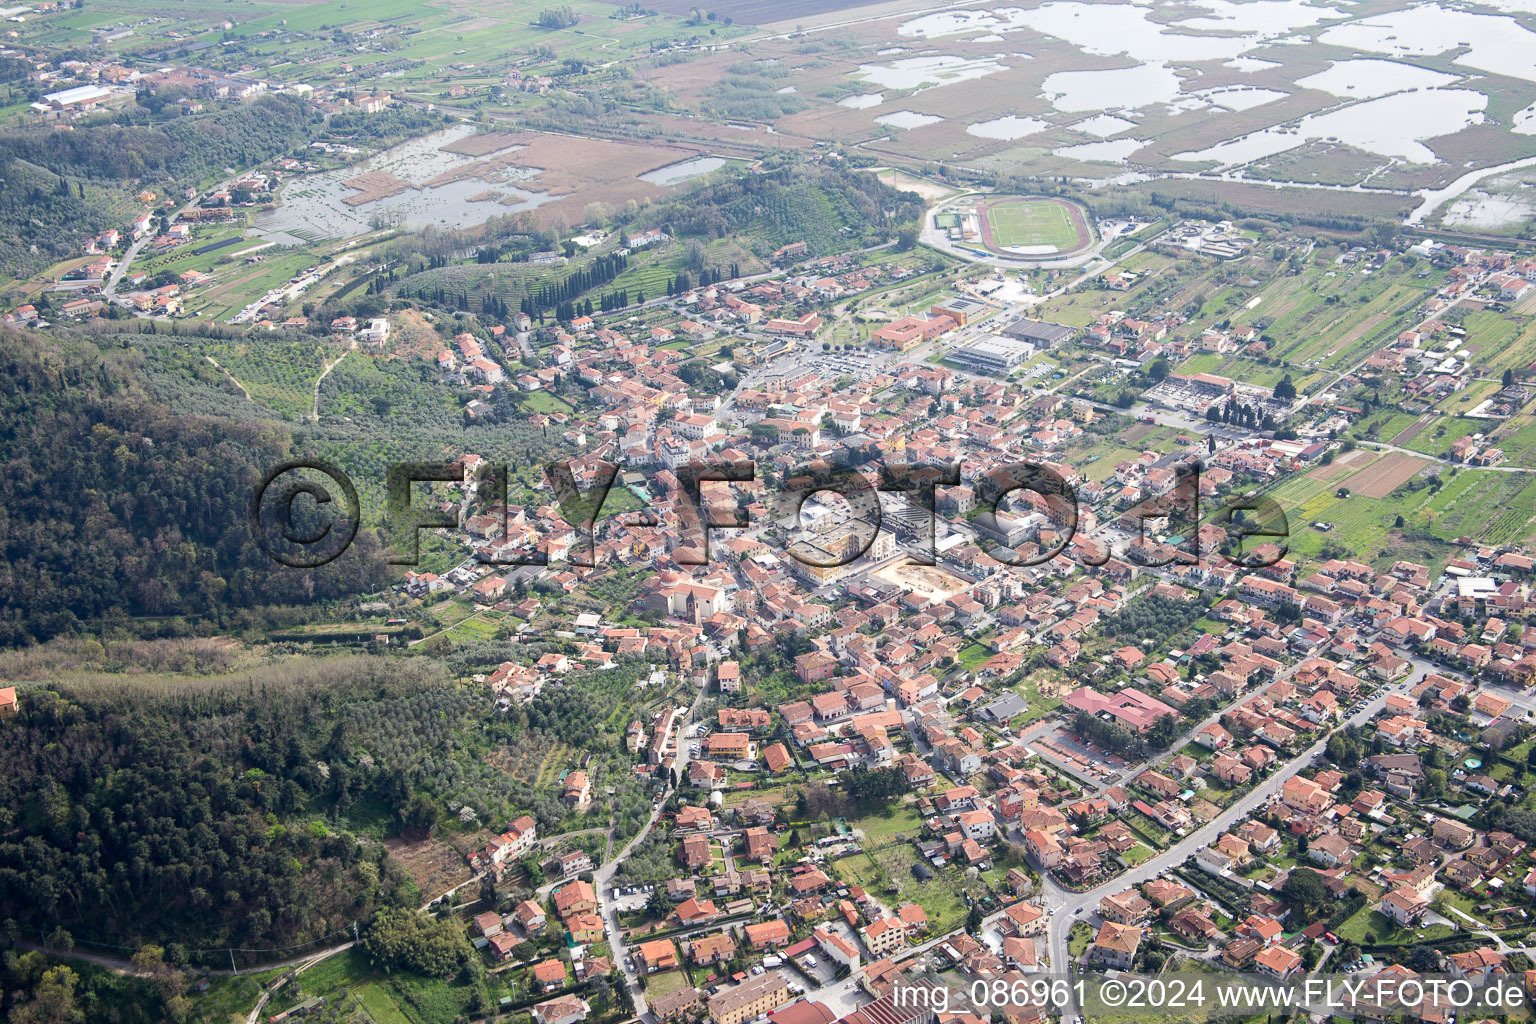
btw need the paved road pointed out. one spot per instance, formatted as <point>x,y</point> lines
<point>602,878</point>
<point>1071,906</point>
<point>109,290</point>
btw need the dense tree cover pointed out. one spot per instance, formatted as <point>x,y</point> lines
<point>130,813</point>
<point>36,990</point>
<point>1304,891</point>
<point>556,17</point>
<point>1153,617</point>
<point>399,938</point>
<point>110,504</point>
<point>651,860</point>
<point>1518,821</point>
<point>1109,736</point>
<point>828,206</point>
<point>183,149</point>
<point>376,128</point>
<point>1346,747</point>
<point>870,788</point>
<point>43,219</point>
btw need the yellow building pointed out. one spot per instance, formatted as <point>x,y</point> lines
<point>751,998</point>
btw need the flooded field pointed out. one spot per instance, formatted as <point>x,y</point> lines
<point>1111,152</point>
<point>316,206</point>
<point>926,72</point>
<point>907,119</point>
<point>1494,43</point>
<point>1010,127</point>
<point>1392,126</point>
<point>862,101</point>
<point>1368,78</point>
<point>1360,90</point>
<point>1115,89</point>
<point>674,174</point>
<point>1497,204</point>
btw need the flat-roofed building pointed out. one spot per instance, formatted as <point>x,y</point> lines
<point>960,309</point>
<point>1039,333</point>
<point>992,354</point>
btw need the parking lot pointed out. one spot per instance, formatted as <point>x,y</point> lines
<point>824,971</point>
<point>630,898</point>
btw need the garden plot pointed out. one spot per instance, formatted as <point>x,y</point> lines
<point>1384,476</point>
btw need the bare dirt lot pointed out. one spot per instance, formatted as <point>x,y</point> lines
<point>1345,465</point>
<point>928,190</point>
<point>435,864</point>
<point>1382,478</point>
<point>1411,431</point>
<point>928,580</point>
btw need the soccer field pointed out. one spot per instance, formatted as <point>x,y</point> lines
<point>1025,223</point>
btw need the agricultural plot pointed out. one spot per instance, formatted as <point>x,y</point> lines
<point>1517,437</point>
<point>1337,317</point>
<point>347,981</point>
<point>1489,506</point>
<point>236,282</point>
<point>1434,435</point>
<point>1499,508</point>
<point>1384,425</point>
<point>1500,341</point>
<point>1385,475</point>
<point>887,871</point>
<point>1468,398</point>
<point>541,401</point>
<point>534,764</point>
<point>1248,371</point>
<point>277,374</point>
<point>1081,306</point>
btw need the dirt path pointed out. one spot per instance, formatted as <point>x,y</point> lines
<point>1412,430</point>
<point>445,629</point>
<point>314,409</point>
<point>236,380</point>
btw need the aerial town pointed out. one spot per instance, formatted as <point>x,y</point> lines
<point>808,563</point>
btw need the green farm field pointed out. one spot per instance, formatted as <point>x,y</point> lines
<point>1487,505</point>
<point>1334,318</point>
<point>1500,341</point>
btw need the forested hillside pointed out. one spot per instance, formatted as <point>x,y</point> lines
<point>830,208</point>
<point>112,505</point>
<point>184,149</point>
<point>45,218</point>
<point>195,811</point>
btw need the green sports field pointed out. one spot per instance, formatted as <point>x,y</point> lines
<point>1027,222</point>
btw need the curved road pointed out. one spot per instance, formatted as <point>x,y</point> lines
<point>602,878</point>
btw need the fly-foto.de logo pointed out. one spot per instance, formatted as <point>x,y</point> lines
<point>306,513</point>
